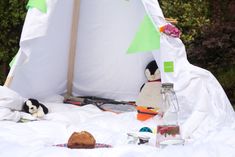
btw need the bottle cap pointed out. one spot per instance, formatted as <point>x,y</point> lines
<point>167,85</point>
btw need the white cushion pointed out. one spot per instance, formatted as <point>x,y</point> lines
<point>10,99</point>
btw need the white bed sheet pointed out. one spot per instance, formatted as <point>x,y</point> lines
<point>37,138</point>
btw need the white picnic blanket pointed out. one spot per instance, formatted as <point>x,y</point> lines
<point>38,138</point>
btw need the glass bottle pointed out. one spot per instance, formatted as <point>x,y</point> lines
<point>168,131</point>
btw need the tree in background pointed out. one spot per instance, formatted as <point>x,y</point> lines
<point>215,49</point>
<point>12,14</point>
<point>191,15</point>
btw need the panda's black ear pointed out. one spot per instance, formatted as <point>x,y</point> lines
<point>34,101</point>
<point>25,107</point>
<point>45,109</point>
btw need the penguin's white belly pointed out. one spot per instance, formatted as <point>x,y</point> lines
<point>150,95</point>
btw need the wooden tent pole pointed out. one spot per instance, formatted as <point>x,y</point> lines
<point>73,46</point>
<point>10,77</point>
<point>8,81</point>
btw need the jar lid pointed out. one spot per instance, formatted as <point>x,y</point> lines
<point>167,85</point>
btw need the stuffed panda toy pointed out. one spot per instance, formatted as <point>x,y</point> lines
<point>150,92</point>
<point>33,107</point>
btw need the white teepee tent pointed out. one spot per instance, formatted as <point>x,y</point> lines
<point>91,37</point>
<point>101,65</point>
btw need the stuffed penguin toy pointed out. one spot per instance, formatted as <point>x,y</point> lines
<point>150,92</point>
<point>33,107</point>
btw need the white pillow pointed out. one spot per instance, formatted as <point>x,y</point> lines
<point>10,99</point>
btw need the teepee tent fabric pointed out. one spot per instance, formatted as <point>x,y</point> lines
<point>204,105</point>
<point>102,67</point>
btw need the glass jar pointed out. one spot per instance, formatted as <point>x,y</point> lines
<point>168,131</point>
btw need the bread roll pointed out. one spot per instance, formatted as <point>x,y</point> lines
<point>81,140</point>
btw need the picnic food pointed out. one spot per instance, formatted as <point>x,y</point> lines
<point>81,139</point>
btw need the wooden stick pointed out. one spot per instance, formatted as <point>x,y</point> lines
<point>73,46</point>
<point>8,81</point>
<point>171,20</point>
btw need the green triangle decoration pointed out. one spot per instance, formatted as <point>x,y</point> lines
<point>39,4</point>
<point>146,39</point>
